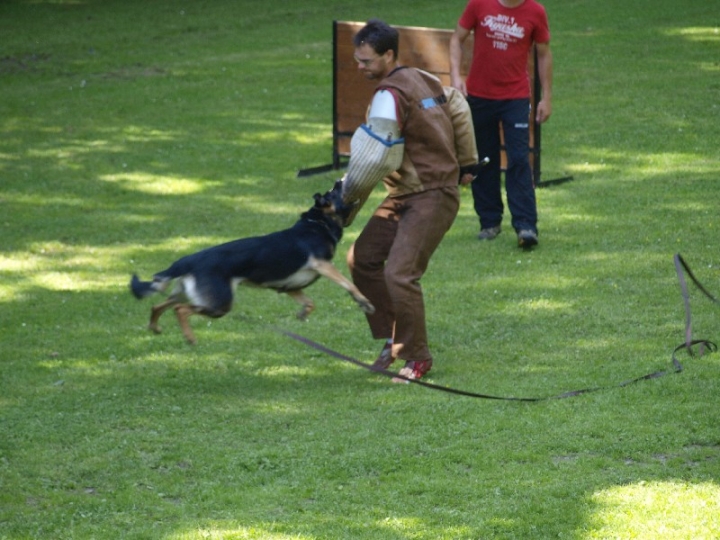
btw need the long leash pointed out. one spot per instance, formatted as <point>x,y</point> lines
<point>681,265</point>
<point>677,367</point>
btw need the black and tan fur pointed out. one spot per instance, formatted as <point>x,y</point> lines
<point>287,261</point>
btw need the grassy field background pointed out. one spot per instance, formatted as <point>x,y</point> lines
<point>132,133</point>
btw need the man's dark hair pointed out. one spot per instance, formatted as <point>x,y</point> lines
<point>379,35</point>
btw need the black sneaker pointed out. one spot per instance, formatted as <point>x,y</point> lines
<point>527,238</point>
<point>385,359</point>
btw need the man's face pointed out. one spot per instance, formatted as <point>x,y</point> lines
<point>370,63</point>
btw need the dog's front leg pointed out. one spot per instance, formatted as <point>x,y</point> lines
<point>307,304</point>
<point>327,269</point>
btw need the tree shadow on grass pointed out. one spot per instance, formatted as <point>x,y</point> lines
<point>100,193</point>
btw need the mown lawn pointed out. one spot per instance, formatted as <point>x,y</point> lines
<point>132,133</point>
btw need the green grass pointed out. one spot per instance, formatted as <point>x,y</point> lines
<point>135,132</point>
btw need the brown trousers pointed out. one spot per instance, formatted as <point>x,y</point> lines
<point>389,258</point>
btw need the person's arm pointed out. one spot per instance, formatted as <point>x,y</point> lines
<point>465,147</point>
<point>545,71</point>
<point>456,53</point>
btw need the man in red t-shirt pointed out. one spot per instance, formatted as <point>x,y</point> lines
<point>498,91</point>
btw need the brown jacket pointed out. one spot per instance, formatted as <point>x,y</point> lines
<point>436,124</point>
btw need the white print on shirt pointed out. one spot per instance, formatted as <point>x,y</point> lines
<point>502,29</point>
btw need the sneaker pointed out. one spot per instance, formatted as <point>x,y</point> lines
<point>413,370</point>
<point>385,358</point>
<point>527,238</point>
<point>490,233</point>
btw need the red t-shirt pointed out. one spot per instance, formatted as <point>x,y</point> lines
<point>503,39</point>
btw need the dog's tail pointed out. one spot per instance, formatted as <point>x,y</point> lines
<point>141,289</point>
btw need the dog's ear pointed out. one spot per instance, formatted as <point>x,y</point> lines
<point>320,200</point>
<point>331,197</point>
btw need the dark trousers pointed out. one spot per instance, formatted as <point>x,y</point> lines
<point>513,115</point>
<point>391,255</point>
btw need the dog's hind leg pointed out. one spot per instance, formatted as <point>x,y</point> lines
<point>155,313</point>
<point>183,312</point>
<point>307,304</point>
<point>327,269</point>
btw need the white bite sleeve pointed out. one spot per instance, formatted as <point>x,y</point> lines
<point>376,150</point>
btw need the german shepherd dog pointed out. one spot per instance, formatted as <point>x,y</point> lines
<point>286,261</point>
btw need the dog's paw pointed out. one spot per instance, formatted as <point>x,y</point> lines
<point>366,306</point>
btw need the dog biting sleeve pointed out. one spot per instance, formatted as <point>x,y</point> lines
<point>376,150</point>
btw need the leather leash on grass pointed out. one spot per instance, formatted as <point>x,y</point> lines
<point>689,343</point>
<point>680,264</point>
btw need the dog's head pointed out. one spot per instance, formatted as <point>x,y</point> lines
<point>331,204</point>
